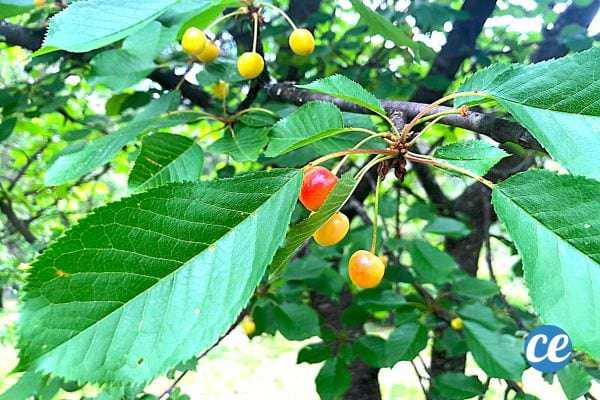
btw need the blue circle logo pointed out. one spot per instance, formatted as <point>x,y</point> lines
<point>548,348</point>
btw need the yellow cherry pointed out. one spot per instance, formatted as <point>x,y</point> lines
<point>384,259</point>
<point>193,41</point>
<point>39,2</point>
<point>365,269</point>
<point>302,42</point>
<point>333,231</point>
<point>250,65</point>
<point>221,89</point>
<point>456,323</point>
<point>210,53</point>
<point>248,325</point>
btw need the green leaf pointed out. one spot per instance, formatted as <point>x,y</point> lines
<point>499,355</point>
<point>297,321</point>
<point>377,299</point>
<point>574,381</point>
<point>372,350</point>
<point>29,384</point>
<point>302,231</point>
<point>431,264</point>
<point>446,226</point>
<point>457,386</point>
<point>91,24</point>
<point>119,69</point>
<point>223,68</point>
<point>472,287</point>
<point>556,101</point>
<point>147,282</point>
<point>6,128</point>
<point>100,151</point>
<point>474,155</point>
<point>481,314</point>
<point>245,146</point>
<point>406,342</point>
<point>554,221</point>
<point>312,122</point>
<point>166,158</point>
<point>333,379</point>
<point>259,119</point>
<point>309,267</point>
<point>314,353</point>
<point>146,42</point>
<point>10,8</point>
<point>380,25</point>
<point>344,88</point>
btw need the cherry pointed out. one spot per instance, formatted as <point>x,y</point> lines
<point>316,185</point>
<point>39,2</point>
<point>193,41</point>
<point>250,65</point>
<point>456,323</point>
<point>221,89</point>
<point>365,269</point>
<point>248,325</point>
<point>210,53</point>
<point>333,231</point>
<point>384,259</point>
<point>302,42</point>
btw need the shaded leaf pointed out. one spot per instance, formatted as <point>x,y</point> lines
<point>574,381</point>
<point>333,379</point>
<point>245,146</point>
<point>457,386</point>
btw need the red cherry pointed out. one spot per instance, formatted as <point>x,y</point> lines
<point>316,185</point>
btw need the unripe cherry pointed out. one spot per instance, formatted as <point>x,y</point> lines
<point>333,231</point>
<point>248,325</point>
<point>250,65</point>
<point>193,41</point>
<point>365,269</point>
<point>302,42</point>
<point>221,89</point>
<point>210,53</point>
<point>456,323</point>
<point>317,184</point>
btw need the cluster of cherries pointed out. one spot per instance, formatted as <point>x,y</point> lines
<point>250,64</point>
<point>365,268</point>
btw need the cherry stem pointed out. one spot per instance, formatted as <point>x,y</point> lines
<point>408,127</point>
<point>435,121</point>
<point>441,164</point>
<point>342,153</point>
<point>376,216</point>
<point>358,145</point>
<point>281,12</point>
<point>254,40</point>
<point>240,11</point>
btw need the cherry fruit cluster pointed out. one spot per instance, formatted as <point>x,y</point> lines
<point>365,268</point>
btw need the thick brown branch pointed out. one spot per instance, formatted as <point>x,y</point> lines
<point>501,130</point>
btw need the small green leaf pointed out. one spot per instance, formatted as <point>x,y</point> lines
<point>574,381</point>
<point>499,355</point>
<point>344,88</point>
<point>431,264</point>
<point>481,314</point>
<point>457,386</point>
<point>166,158</point>
<point>247,144</point>
<point>372,350</point>
<point>6,128</point>
<point>554,221</point>
<point>302,231</point>
<point>474,155</point>
<point>297,321</point>
<point>100,151</point>
<point>312,122</point>
<point>314,353</point>
<point>380,25</point>
<point>149,281</point>
<point>556,101</point>
<point>333,379</point>
<point>446,226</point>
<point>91,24</point>
<point>406,342</point>
<point>472,287</point>
<point>119,69</point>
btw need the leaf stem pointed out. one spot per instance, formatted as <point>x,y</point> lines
<point>281,12</point>
<point>342,153</point>
<point>435,121</point>
<point>441,164</point>
<point>409,126</point>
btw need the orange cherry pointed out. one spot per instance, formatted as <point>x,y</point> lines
<point>316,185</point>
<point>333,231</point>
<point>365,269</point>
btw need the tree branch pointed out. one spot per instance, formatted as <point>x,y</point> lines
<point>501,130</point>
